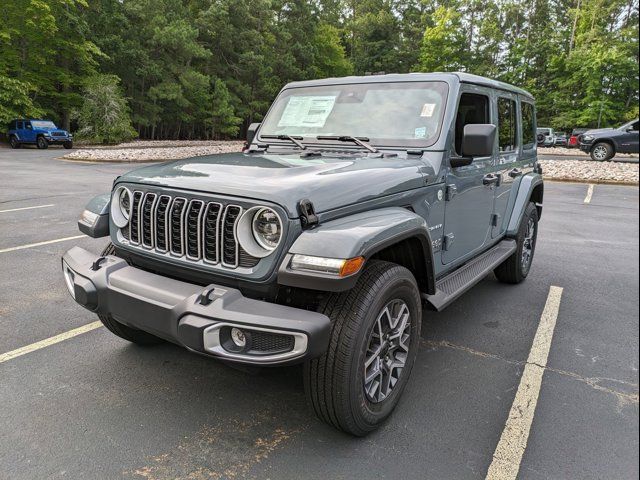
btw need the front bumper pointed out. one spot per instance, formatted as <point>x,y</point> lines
<point>190,315</point>
<point>586,147</point>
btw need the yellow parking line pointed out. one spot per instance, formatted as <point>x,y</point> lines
<point>587,199</point>
<point>513,441</point>
<point>49,341</point>
<point>31,245</point>
<point>26,208</point>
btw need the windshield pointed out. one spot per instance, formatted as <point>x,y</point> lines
<point>387,114</point>
<point>43,124</point>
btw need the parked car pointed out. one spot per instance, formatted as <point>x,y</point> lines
<point>574,138</point>
<point>603,144</point>
<point>41,133</point>
<point>545,137</point>
<point>560,139</point>
<point>357,200</point>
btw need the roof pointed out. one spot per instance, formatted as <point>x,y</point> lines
<point>413,77</point>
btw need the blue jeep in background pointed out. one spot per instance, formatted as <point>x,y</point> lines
<point>41,133</point>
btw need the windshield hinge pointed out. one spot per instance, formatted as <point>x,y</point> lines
<point>308,217</point>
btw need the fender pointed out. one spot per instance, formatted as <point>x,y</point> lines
<point>525,189</point>
<point>359,235</point>
<point>94,220</point>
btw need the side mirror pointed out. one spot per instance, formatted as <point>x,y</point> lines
<point>251,132</point>
<point>478,140</point>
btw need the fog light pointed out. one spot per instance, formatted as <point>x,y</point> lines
<point>238,337</point>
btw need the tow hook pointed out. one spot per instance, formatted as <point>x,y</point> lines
<point>96,265</point>
<point>205,297</point>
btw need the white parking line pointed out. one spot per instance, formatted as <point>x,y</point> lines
<point>31,245</point>
<point>513,441</point>
<point>49,341</point>
<point>26,208</point>
<point>587,199</point>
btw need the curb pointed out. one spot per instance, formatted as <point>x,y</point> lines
<point>591,181</point>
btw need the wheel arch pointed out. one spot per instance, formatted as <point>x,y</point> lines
<point>531,189</point>
<point>393,234</point>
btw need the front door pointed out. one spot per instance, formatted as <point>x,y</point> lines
<point>469,191</point>
<point>629,140</point>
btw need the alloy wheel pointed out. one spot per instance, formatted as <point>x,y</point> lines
<point>600,152</point>
<point>387,350</point>
<point>527,244</point>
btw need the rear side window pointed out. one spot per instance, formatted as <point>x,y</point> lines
<point>507,126</point>
<point>528,126</point>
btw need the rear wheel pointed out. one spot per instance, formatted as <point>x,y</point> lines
<point>516,268</point>
<point>601,152</point>
<point>375,335</point>
<point>13,141</point>
<point>42,143</point>
<point>131,334</point>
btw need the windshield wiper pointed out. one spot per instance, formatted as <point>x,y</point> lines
<point>347,138</point>
<point>292,139</point>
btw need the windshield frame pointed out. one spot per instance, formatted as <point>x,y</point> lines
<point>311,140</point>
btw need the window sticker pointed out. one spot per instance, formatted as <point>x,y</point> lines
<point>428,109</point>
<point>420,132</point>
<point>307,111</point>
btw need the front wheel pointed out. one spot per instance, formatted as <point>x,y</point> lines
<point>601,152</point>
<point>516,268</point>
<point>375,335</point>
<point>68,145</point>
<point>42,143</point>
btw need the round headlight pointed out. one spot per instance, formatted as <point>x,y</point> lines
<point>267,228</point>
<point>259,231</point>
<point>121,206</point>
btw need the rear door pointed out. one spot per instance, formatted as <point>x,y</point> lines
<point>469,199</point>
<point>516,152</point>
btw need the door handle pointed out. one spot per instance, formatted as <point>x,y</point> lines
<point>491,179</point>
<point>516,172</point>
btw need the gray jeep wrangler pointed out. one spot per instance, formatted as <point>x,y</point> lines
<point>356,202</point>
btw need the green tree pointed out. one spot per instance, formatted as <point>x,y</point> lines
<point>104,114</point>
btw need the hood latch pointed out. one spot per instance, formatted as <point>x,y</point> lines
<point>308,217</point>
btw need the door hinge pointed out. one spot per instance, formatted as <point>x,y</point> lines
<point>450,191</point>
<point>308,217</point>
<point>448,241</point>
<point>494,219</point>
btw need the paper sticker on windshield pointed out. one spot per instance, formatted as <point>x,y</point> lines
<point>307,111</point>
<point>428,109</point>
<point>420,132</point>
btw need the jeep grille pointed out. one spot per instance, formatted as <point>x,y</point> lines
<point>193,230</point>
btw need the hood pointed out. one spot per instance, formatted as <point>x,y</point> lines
<point>596,131</point>
<point>285,179</point>
<point>50,130</point>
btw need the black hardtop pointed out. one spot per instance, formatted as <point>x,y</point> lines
<point>461,77</point>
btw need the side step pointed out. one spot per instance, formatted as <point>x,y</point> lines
<point>459,281</point>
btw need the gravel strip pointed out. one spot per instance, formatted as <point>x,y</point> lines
<point>155,153</point>
<point>590,172</point>
<point>576,152</point>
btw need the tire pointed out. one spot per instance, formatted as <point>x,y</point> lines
<point>42,143</point>
<point>515,269</point>
<point>602,152</point>
<point>335,382</point>
<point>13,141</point>
<point>131,334</point>
<point>68,145</point>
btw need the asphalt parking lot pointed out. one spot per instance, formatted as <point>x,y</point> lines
<point>95,407</point>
